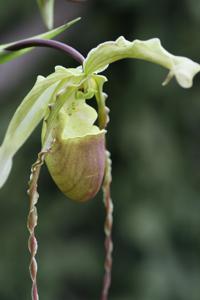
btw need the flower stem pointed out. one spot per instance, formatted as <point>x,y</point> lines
<point>47,43</point>
<point>107,228</point>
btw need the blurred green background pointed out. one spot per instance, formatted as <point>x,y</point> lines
<point>154,139</point>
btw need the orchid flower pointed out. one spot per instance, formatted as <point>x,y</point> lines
<point>73,143</point>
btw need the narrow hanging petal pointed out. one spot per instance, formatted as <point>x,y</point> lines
<point>184,69</point>
<point>47,11</point>
<point>33,218</point>
<point>108,227</point>
<point>8,55</point>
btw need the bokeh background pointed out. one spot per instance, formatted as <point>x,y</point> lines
<point>154,137</point>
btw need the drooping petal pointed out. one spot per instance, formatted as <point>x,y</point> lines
<point>182,68</point>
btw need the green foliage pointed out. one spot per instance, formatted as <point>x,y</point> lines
<point>47,11</point>
<point>6,56</point>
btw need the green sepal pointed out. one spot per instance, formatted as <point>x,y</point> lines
<point>6,56</point>
<point>47,11</point>
<point>182,68</point>
<point>29,113</point>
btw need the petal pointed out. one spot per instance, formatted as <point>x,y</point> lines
<point>103,117</point>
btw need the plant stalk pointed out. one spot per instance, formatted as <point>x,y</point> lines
<point>75,54</point>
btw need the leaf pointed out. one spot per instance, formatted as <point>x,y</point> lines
<point>6,56</point>
<point>47,11</point>
<point>151,50</point>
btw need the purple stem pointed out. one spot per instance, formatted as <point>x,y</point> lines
<point>47,43</point>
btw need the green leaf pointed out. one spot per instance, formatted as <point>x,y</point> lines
<point>47,11</point>
<point>151,50</point>
<point>6,56</point>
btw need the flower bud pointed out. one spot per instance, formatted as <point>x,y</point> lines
<point>76,161</point>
